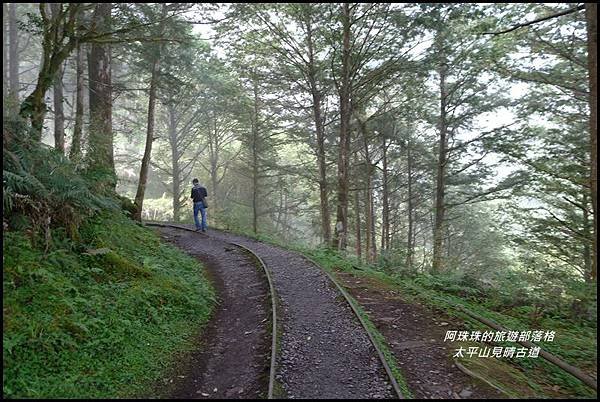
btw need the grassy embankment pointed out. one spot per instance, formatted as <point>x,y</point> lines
<point>100,317</point>
<point>575,340</point>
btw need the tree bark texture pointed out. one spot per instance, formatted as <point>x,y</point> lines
<point>141,189</point>
<point>385,212</point>
<point>370,245</point>
<point>54,53</point>
<point>214,148</point>
<point>587,241</point>
<point>75,151</point>
<point>591,13</point>
<point>440,206</point>
<point>100,154</point>
<point>59,114</point>
<point>358,245</point>
<point>320,132</point>
<point>13,56</point>
<point>5,38</point>
<point>341,227</point>
<point>255,139</point>
<point>410,235</point>
<point>373,221</point>
<point>173,141</point>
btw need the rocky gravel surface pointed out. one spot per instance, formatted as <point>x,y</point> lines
<point>325,352</point>
<point>233,353</point>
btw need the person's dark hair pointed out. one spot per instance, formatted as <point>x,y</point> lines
<point>195,181</point>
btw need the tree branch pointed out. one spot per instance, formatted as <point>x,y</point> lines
<point>565,12</point>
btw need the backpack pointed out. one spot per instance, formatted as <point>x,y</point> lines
<point>203,199</point>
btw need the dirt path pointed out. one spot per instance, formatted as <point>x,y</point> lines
<point>415,336</point>
<point>324,351</point>
<point>235,346</point>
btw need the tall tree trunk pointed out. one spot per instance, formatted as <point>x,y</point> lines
<point>13,56</point>
<point>320,131</point>
<point>59,114</point>
<point>214,164</point>
<point>440,206</point>
<point>394,207</point>
<point>368,217</point>
<point>174,162</point>
<point>141,190</point>
<point>286,224</point>
<point>54,53</point>
<point>373,219</point>
<point>385,212</point>
<point>369,243</point>
<point>279,207</point>
<point>5,37</point>
<point>255,139</point>
<point>341,227</point>
<point>587,242</point>
<point>75,152</point>
<point>100,153</point>
<point>409,240</point>
<point>357,212</point>
<point>591,13</point>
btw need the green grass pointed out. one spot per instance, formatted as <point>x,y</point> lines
<point>98,318</point>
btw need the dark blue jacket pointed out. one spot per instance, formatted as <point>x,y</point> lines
<point>198,193</point>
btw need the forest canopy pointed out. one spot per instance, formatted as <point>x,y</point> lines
<point>445,139</point>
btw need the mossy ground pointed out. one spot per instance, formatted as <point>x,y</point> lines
<point>100,317</point>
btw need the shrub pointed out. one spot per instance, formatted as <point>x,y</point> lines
<point>42,189</point>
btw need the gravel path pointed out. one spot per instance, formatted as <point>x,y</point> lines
<point>233,355</point>
<point>325,352</point>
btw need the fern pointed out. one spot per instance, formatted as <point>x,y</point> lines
<point>43,184</point>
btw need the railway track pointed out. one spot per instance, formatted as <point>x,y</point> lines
<point>274,308</point>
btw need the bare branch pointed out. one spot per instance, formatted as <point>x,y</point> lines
<point>565,12</point>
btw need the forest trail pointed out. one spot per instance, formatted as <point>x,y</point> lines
<point>415,335</point>
<point>232,354</point>
<point>324,352</point>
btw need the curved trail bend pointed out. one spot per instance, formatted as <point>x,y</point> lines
<point>324,352</point>
<point>233,360</point>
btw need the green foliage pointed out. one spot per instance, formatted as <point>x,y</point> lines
<point>238,219</point>
<point>158,209</point>
<point>127,205</point>
<point>96,318</point>
<point>40,183</point>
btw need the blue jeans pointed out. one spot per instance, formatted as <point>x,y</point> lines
<point>199,206</point>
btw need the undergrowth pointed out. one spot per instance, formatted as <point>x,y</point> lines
<point>575,340</point>
<point>96,318</point>
<point>94,305</point>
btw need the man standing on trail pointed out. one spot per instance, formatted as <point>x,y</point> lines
<point>198,196</point>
